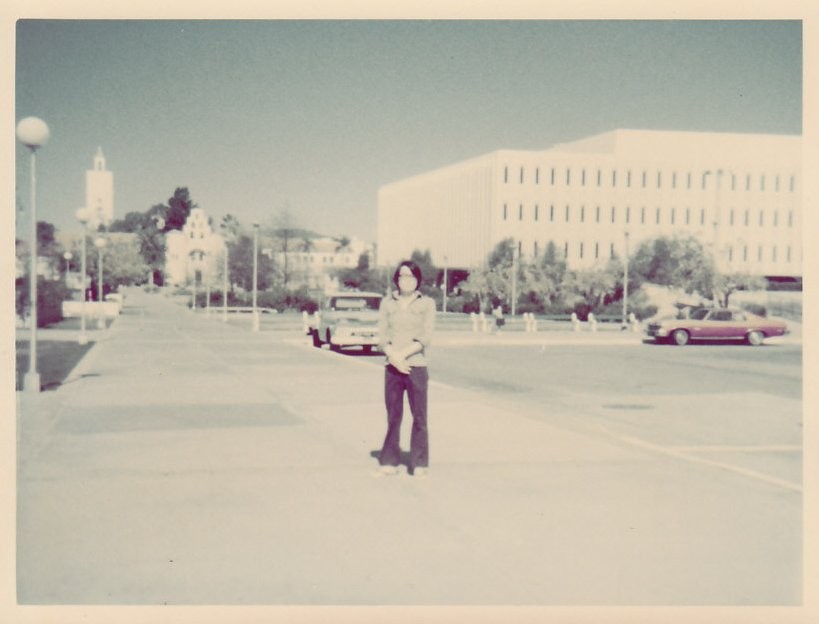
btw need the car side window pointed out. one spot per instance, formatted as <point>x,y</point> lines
<point>721,315</point>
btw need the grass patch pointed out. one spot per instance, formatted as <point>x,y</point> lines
<point>55,360</point>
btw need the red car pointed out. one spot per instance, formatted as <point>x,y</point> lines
<point>716,324</point>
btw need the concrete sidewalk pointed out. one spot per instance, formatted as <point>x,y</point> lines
<point>190,461</point>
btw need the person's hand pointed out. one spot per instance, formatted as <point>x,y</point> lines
<point>400,364</point>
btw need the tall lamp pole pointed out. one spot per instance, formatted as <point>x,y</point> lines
<point>446,281</point>
<point>255,274</point>
<point>625,283</point>
<point>99,243</point>
<point>82,217</point>
<point>33,133</point>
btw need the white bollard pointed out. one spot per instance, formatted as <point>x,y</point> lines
<point>305,323</point>
<point>592,322</point>
<point>484,323</point>
<point>575,322</point>
<point>474,319</point>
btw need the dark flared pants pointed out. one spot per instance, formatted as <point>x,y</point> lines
<point>415,385</point>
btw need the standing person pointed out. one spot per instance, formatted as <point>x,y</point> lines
<point>499,320</point>
<point>406,321</point>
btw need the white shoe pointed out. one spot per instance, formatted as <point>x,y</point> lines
<point>387,471</point>
<point>421,472</point>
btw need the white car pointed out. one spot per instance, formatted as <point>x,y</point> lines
<point>348,319</point>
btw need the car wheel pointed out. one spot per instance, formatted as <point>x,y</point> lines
<point>680,337</point>
<point>755,338</point>
<point>333,347</point>
<point>316,339</point>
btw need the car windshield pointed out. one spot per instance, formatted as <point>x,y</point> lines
<point>699,314</point>
<point>355,303</point>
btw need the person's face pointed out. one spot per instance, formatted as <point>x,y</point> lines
<point>406,280</point>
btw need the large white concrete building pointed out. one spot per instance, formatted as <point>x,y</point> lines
<point>740,194</point>
<point>99,192</point>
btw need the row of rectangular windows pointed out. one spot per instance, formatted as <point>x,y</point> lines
<point>598,179</point>
<point>672,216</point>
<point>759,256</point>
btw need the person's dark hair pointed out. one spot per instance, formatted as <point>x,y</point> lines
<point>416,271</point>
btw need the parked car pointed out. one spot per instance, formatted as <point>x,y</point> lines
<point>348,319</point>
<point>716,324</point>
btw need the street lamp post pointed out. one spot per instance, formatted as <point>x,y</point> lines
<point>82,217</point>
<point>255,274</point>
<point>33,133</point>
<point>625,282</point>
<point>446,282</point>
<point>99,243</point>
<point>515,258</point>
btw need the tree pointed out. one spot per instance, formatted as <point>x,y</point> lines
<point>132,222</point>
<point>241,264</point>
<point>592,286</point>
<point>677,262</point>
<point>726,285</point>
<point>179,208</point>
<point>122,262</point>
<point>230,226</point>
<point>477,285</point>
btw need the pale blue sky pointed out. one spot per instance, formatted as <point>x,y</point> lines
<point>255,115</point>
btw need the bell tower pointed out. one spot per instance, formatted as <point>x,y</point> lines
<point>99,192</point>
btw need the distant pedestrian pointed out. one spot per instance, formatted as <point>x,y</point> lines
<point>499,320</point>
<point>406,322</point>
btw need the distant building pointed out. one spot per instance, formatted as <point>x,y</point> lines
<point>739,194</point>
<point>99,192</point>
<point>312,262</point>
<point>194,253</point>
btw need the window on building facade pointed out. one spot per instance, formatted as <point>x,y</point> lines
<point>673,215</point>
<point>790,218</point>
<point>628,178</point>
<point>788,253</point>
<point>596,251</point>
<point>599,177</point>
<point>657,219</point>
<point>773,253</point>
<point>568,177</point>
<point>688,216</point>
<point>730,217</point>
<point>748,182</point>
<point>534,249</point>
<point>673,179</point>
<point>613,178</point>
<point>505,175</point>
<point>759,254</point>
<point>613,214</point>
<point>582,177</point>
<point>580,252</point>
<point>611,250</point>
<point>733,182</point>
<point>702,216</point>
<point>776,218</point>
<point>644,179</point>
<point>567,213</point>
<point>597,214</point>
<point>505,215</point>
<point>552,176</point>
<point>582,214</point>
<point>745,253</point>
<point>762,183</point>
<point>520,212</point>
<point>747,217</point>
<point>659,180</point>
<point>537,212</point>
<point>566,249</point>
<point>776,184</point>
<point>628,214</point>
<point>792,184</point>
<point>552,212</point>
<point>688,181</point>
<point>761,218</point>
<point>521,175</point>
<point>537,175</point>
<point>643,215</point>
<point>730,254</point>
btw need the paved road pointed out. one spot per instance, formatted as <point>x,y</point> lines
<point>190,461</point>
